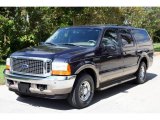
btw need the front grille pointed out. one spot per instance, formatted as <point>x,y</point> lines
<point>31,66</point>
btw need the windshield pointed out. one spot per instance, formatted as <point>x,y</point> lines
<point>75,36</point>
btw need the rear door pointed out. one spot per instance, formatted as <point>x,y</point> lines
<point>128,51</point>
<point>144,44</point>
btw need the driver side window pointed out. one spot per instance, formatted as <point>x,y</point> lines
<point>110,40</point>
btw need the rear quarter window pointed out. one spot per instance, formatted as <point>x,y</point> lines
<point>141,36</point>
<point>126,38</point>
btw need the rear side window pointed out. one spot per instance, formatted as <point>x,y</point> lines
<point>140,36</point>
<point>126,38</point>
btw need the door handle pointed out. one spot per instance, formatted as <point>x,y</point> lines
<point>124,53</point>
<point>110,56</point>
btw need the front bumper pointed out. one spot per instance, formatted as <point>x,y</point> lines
<point>55,85</point>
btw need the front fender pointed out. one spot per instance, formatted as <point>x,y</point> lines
<point>90,66</point>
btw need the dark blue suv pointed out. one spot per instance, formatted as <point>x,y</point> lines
<point>76,61</point>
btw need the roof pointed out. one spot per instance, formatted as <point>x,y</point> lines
<point>102,26</point>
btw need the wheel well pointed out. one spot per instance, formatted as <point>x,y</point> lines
<point>92,73</point>
<point>145,61</point>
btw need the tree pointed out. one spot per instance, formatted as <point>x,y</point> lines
<point>147,18</point>
<point>28,26</point>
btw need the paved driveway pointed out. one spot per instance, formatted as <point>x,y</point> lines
<point>120,99</point>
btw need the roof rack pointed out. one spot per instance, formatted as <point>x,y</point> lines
<point>112,24</point>
<point>104,25</point>
<point>123,25</point>
<point>126,25</point>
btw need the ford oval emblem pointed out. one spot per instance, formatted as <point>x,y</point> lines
<point>24,66</point>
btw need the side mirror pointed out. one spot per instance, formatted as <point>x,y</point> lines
<point>111,48</point>
<point>123,44</point>
<point>108,48</point>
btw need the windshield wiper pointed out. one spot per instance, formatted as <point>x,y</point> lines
<point>68,44</point>
<point>49,43</point>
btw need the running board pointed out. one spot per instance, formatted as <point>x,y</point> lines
<point>117,83</point>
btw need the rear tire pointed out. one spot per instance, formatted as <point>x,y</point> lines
<point>141,73</point>
<point>83,91</point>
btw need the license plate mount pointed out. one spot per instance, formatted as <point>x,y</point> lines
<point>24,87</point>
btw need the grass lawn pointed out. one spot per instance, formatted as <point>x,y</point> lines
<point>2,66</point>
<point>156,47</point>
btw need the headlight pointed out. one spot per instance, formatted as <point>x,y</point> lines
<point>59,68</point>
<point>8,64</point>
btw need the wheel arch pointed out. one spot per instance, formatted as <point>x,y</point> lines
<point>145,59</point>
<point>91,70</point>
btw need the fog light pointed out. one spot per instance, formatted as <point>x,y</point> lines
<point>41,87</point>
<point>10,82</point>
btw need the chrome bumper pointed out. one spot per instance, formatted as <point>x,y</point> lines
<point>56,85</point>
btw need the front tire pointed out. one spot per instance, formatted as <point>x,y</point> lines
<point>141,73</point>
<point>83,91</point>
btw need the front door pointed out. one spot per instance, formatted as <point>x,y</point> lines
<point>111,56</point>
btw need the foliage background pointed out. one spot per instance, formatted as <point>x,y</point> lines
<point>22,27</point>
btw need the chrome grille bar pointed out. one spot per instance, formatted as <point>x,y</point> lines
<point>31,66</point>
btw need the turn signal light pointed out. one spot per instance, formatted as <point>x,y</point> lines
<point>62,72</point>
<point>8,64</point>
<point>7,67</point>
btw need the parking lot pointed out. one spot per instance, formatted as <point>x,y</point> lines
<point>125,98</point>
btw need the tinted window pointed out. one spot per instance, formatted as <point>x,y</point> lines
<point>141,35</point>
<point>126,37</point>
<point>110,40</point>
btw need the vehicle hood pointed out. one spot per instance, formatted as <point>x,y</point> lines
<point>51,52</point>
